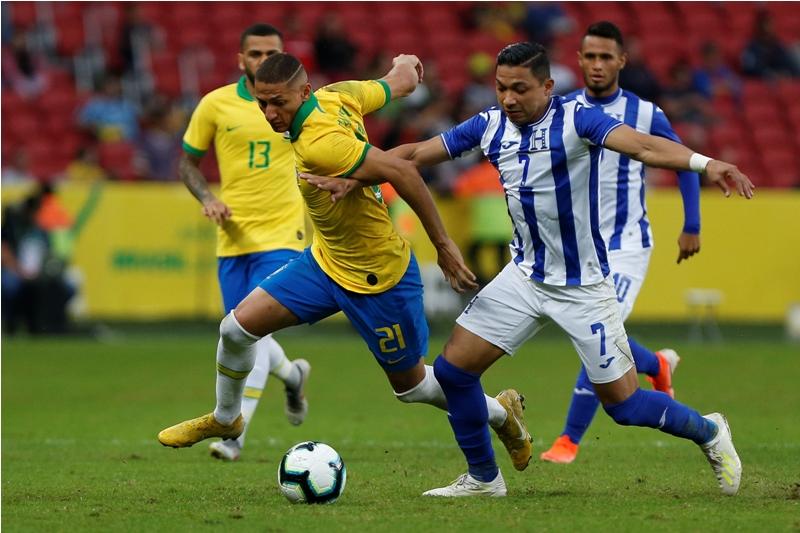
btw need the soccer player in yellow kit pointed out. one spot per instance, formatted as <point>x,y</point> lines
<point>260,216</point>
<point>357,263</point>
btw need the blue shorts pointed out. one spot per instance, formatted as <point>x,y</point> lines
<point>240,274</point>
<point>392,322</point>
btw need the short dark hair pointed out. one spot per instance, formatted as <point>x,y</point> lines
<point>606,30</point>
<point>527,54</point>
<point>259,30</point>
<point>279,68</point>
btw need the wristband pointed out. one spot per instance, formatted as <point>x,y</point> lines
<point>699,162</point>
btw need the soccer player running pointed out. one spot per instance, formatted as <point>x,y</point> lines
<point>624,225</point>
<point>259,214</point>
<point>357,263</point>
<point>547,151</point>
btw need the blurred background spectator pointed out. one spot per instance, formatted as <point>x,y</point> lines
<point>23,70</point>
<point>636,76</point>
<point>765,55</point>
<point>35,289</point>
<point>108,115</point>
<point>713,78</point>
<point>724,73</point>
<point>334,53</point>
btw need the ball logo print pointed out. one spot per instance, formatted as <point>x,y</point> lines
<point>312,472</point>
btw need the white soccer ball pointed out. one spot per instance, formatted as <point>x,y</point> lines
<point>312,472</point>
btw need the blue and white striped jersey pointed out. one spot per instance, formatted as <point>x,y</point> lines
<point>623,210</point>
<point>549,171</point>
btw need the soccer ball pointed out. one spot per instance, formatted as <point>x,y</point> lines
<point>312,472</point>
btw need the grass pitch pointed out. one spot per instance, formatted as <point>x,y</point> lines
<point>80,419</point>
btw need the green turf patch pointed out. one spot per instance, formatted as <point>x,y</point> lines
<point>80,418</point>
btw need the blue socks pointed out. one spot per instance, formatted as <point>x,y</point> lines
<point>646,361</point>
<point>582,408</point>
<point>658,410</point>
<point>584,403</point>
<point>469,417</point>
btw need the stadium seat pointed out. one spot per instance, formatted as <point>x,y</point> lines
<point>43,162</point>
<point>166,74</point>
<point>118,159</point>
<point>757,113</point>
<point>23,14</point>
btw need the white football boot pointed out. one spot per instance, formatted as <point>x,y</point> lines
<point>296,403</point>
<point>467,485</point>
<point>723,457</point>
<point>225,450</point>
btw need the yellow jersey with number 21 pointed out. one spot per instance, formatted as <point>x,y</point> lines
<point>257,171</point>
<point>354,240</point>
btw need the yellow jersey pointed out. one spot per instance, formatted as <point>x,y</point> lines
<point>257,173</point>
<point>354,240</point>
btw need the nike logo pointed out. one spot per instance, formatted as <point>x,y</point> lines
<point>229,128</point>
<point>605,365</point>
<point>395,361</point>
<point>508,144</point>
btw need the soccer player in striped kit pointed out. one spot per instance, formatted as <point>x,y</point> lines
<point>623,219</point>
<point>546,150</point>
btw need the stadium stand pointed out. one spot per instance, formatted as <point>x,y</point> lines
<point>182,50</point>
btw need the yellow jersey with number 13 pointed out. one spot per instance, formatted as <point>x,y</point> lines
<point>257,173</point>
<point>354,240</point>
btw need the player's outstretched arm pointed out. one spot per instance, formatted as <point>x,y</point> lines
<point>405,75</point>
<point>409,185</point>
<point>663,153</point>
<point>192,177</point>
<point>422,154</point>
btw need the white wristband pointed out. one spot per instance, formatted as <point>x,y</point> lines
<point>699,162</point>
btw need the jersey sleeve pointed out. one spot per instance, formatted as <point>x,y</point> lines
<point>594,125</point>
<point>335,154</point>
<point>369,96</point>
<point>201,130</point>
<point>465,136</point>
<point>688,182</point>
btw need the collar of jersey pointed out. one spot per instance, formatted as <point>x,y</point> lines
<point>604,100</point>
<point>241,90</point>
<point>302,114</point>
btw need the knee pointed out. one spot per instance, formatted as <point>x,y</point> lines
<point>425,391</point>
<point>232,334</point>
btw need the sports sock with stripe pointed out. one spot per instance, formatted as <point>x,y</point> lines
<point>657,410</point>
<point>236,355</point>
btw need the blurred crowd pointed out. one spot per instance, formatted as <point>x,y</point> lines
<point>128,114</point>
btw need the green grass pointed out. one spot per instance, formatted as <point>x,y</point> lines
<point>79,420</point>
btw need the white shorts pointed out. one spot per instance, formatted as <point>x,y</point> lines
<point>513,308</point>
<point>628,270</point>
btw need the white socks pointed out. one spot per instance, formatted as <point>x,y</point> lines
<point>429,391</point>
<point>280,366</point>
<point>236,355</point>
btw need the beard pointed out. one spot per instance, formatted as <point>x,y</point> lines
<point>250,75</point>
<point>597,87</point>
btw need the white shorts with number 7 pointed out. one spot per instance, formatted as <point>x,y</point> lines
<point>512,308</point>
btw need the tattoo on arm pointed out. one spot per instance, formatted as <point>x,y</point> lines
<point>190,174</point>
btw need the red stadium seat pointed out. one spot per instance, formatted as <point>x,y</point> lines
<point>753,90</point>
<point>43,161</point>
<point>118,159</point>
<point>23,14</point>
<point>166,74</point>
<point>782,168</point>
<point>758,113</point>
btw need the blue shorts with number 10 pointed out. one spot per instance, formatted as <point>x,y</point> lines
<point>391,322</point>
